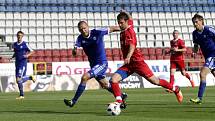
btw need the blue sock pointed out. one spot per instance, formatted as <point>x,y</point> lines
<point>109,89</point>
<point>79,92</point>
<point>25,78</point>
<point>21,93</point>
<point>201,89</point>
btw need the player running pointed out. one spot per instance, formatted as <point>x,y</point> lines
<point>177,58</point>
<point>93,45</point>
<point>204,36</point>
<point>21,52</point>
<point>134,61</point>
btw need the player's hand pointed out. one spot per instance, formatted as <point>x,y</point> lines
<point>127,61</point>
<point>74,52</point>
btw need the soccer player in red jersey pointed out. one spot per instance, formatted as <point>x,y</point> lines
<point>177,57</point>
<point>134,61</point>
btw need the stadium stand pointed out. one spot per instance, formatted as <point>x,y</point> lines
<point>50,26</point>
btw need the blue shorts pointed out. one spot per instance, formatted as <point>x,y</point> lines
<point>98,71</point>
<point>210,63</point>
<point>21,70</point>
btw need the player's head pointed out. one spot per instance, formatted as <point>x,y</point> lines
<point>122,19</point>
<point>198,22</point>
<point>83,28</point>
<point>19,35</point>
<point>175,34</point>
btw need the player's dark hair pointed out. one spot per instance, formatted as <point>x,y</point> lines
<point>199,17</point>
<point>82,22</point>
<point>175,31</point>
<point>20,32</point>
<point>122,15</point>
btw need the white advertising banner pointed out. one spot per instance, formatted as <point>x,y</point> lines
<point>7,69</point>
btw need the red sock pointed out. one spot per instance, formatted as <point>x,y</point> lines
<point>172,79</point>
<point>116,91</point>
<point>187,75</point>
<point>165,84</point>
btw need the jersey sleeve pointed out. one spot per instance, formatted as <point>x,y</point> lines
<point>29,48</point>
<point>78,42</point>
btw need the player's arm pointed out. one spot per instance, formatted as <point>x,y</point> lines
<point>74,51</point>
<point>130,53</point>
<point>30,51</point>
<point>195,48</point>
<point>114,29</point>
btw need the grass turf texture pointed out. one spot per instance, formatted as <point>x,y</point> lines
<point>143,104</point>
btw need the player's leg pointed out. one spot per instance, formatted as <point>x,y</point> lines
<point>19,74</point>
<point>85,77</point>
<point>181,66</point>
<point>119,75</point>
<point>172,71</point>
<point>203,73</point>
<point>142,69</point>
<point>208,66</point>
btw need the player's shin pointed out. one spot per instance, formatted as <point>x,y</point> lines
<point>20,86</point>
<point>116,91</point>
<point>25,78</point>
<point>171,79</point>
<point>165,84</point>
<point>201,89</point>
<point>79,92</point>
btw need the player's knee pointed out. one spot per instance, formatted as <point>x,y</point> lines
<point>18,80</point>
<point>85,78</point>
<point>202,75</point>
<point>104,85</point>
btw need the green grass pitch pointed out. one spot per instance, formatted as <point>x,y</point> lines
<point>143,105</point>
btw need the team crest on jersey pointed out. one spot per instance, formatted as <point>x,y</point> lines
<point>21,46</point>
<point>83,41</point>
<point>94,38</point>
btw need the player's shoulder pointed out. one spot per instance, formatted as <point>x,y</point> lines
<point>210,28</point>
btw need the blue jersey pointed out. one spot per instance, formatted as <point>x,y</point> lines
<point>93,46</point>
<point>21,49</point>
<point>206,40</point>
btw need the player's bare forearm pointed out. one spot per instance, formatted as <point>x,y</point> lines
<point>74,51</point>
<point>29,54</point>
<point>195,48</point>
<point>130,53</point>
<point>114,29</point>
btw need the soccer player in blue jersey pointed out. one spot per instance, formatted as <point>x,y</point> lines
<point>21,52</point>
<point>93,45</point>
<point>204,37</point>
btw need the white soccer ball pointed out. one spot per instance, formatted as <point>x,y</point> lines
<point>113,109</point>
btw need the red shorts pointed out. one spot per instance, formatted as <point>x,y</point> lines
<point>139,67</point>
<point>177,64</point>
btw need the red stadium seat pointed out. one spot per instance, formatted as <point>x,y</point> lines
<point>159,57</point>
<point>144,51</point>
<point>152,57</point>
<point>71,59</point>
<point>151,51</point>
<point>40,53</point>
<point>146,57</point>
<point>56,59</point>
<point>63,59</point>
<point>63,53</point>
<point>108,52</point>
<point>116,58</point>
<point>166,57</point>
<point>189,50</point>
<point>48,53</point>
<point>48,59</point>
<point>158,51</point>
<point>55,53</point>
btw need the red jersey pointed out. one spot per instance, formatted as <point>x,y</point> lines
<point>180,45</point>
<point>128,37</point>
